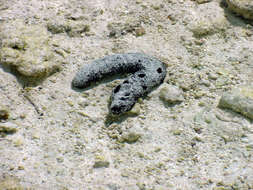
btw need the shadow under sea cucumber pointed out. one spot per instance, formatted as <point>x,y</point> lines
<point>146,72</point>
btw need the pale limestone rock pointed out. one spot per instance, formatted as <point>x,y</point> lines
<point>208,19</point>
<point>28,49</point>
<point>239,100</point>
<point>242,7</point>
<point>171,94</point>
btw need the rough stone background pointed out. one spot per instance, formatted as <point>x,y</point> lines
<point>53,137</point>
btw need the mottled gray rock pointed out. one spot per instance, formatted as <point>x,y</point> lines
<point>239,100</point>
<point>171,94</point>
<point>147,73</point>
<point>242,7</point>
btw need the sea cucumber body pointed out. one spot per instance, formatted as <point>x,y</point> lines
<point>147,73</point>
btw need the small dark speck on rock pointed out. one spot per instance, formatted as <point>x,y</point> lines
<point>5,130</point>
<point>101,164</point>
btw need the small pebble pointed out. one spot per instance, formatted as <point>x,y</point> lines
<point>202,1</point>
<point>18,141</point>
<point>139,31</point>
<point>21,167</point>
<point>212,76</point>
<point>135,110</point>
<point>177,132</point>
<point>101,164</point>
<point>171,94</point>
<point>130,138</point>
<point>239,100</point>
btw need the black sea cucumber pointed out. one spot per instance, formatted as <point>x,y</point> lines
<point>146,73</point>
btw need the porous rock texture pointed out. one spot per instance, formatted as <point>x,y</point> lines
<point>28,49</point>
<point>148,73</point>
<point>208,18</point>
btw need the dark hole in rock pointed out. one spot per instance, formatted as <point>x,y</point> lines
<point>117,109</point>
<point>117,89</point>
<point>127,94</point>
<point>144,87</point>
<point>141,75</point>
<point>123,98</point>
<point>15,47</point>
<point>126,82</point>
<point>139,60</point>
<point>112,34</point>
<point>159,70</point>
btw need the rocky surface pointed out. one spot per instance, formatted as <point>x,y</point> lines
<point>239,100</point>
<point>171,94</point>
<point>65,139</point>
<point>207,18</point>
<point>243,8</point>
<point>71,28</point>
<point>10,182</point>
<point>28,49</point>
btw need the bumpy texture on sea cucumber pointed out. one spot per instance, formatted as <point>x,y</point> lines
<point>146,73</point>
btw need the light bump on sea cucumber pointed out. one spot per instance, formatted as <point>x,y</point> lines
<point>146,72</point>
